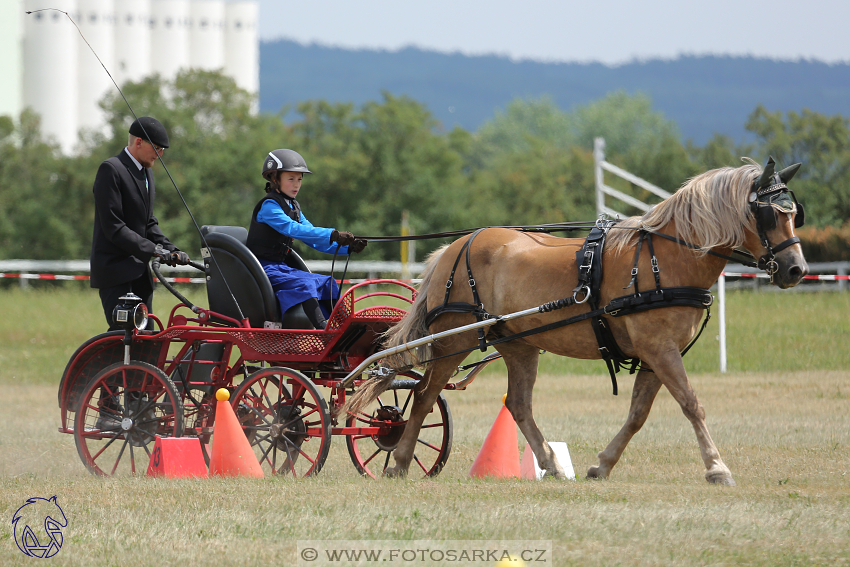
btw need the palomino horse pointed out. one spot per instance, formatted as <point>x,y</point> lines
<point>711,215</point>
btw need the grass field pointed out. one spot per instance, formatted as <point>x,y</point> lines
<point>780,417</point>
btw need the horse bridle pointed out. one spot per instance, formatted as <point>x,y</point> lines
<point>770,196</point>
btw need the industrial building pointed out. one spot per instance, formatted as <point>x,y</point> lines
<point>48,66</point>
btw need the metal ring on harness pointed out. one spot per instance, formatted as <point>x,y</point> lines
<point>586,289</point>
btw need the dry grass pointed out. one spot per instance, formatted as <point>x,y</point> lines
<point>786,438</point>
<point>785,434</point>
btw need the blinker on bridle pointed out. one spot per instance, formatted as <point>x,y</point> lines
<point>769,197</point>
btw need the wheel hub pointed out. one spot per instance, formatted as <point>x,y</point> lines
<point>386,416</point>
<point>288,429</point>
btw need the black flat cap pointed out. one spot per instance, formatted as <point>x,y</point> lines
<point>154,129</point>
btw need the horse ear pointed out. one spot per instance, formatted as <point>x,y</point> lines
<point>767,173</point>
<point>786,174</point>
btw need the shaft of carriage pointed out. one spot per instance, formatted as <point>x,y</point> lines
<point>361,368</point>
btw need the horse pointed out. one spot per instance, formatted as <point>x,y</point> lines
<point>709,217</point>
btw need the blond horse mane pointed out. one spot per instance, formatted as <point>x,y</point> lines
<point>709,210</point>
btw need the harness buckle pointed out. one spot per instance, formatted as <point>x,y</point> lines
<point>449,284</point>
<point>634,272</point>
<point>471,282</point>
<point>586,289</point>
<point>655,267</point>
<point>588,258</point>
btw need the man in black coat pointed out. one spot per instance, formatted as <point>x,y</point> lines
<point>126,232</point>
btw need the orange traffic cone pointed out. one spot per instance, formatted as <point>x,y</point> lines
<point>232,454</point>
<point>499,455</point>
<point>176,457</point>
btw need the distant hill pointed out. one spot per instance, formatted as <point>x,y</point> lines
<point>703,95</point>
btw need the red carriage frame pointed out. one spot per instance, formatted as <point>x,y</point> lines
<point>115,401</point>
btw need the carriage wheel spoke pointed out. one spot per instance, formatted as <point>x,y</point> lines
<point>429,445</point>
<point>418,462</point>
<point>118,459</point>
<point>406,401</point>
<point>372,456</point>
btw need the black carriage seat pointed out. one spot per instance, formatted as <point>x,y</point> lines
<point>248,282</point>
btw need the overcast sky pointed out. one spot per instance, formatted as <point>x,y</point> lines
<point>608,31</point>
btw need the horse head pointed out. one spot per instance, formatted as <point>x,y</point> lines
<point>775,213</point>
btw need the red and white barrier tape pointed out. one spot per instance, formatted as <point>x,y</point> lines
<point>824,277</point>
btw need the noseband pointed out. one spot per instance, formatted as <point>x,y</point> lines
<point>765,204</point>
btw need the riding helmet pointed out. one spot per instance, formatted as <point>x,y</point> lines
<point>284,160</point>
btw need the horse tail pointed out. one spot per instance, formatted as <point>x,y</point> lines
<point>413,326</point>
<point>410,328</point>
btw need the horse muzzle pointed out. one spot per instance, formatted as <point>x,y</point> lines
<point>786,269</point>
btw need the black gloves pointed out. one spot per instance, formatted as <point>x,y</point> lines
<point>357,246</point>
<point>168,258</point>
<point>179,258</point>
<point>343,238</point>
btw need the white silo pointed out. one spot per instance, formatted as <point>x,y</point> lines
<point>132,40</point>
<point>169,36</point>
<point>96,20</point>
<point>12,62</point>
<point>241,47</point>
<point>206,37</point>
<point>50,69</point>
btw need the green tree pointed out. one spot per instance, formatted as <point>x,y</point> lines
<point>39,211</point>
<point>822,144</point>
<point>374,162</point>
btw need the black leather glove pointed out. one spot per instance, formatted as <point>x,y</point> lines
<point>163,255</point>
<point>357,246</point>
<point>179,258</point>
<point>343,238</point>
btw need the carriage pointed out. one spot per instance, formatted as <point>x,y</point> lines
<point>122,389</point>
<point>645,313</point>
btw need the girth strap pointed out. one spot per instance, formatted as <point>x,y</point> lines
<point>476,308</point>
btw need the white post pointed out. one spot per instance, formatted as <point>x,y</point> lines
<point>721,299</point>
<point>598,158</point>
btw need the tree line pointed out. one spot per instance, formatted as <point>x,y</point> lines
<point>531,163</point>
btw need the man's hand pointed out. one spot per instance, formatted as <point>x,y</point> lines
<point>163,255</point>
<point>357,246</point>
<point>179,258</point>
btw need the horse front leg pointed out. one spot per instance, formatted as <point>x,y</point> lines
<point>643,395</point>
<point>671,372</point>
<point>522,361</point>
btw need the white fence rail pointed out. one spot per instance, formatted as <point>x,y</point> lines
<point>602,189</point>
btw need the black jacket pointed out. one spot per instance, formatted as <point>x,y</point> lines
<point>125,230</point>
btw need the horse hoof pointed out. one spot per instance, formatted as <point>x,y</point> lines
<point>559,475</point>
<point>721,479</point>
<point>394,472</point>
<point>594,473</point>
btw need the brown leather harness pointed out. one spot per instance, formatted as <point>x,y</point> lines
<point>589,260</point>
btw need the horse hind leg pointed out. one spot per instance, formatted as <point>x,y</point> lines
<point>436,377</point>
<point>645,389</point>
<point>521,361</point>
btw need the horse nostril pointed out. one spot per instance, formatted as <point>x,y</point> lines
<point>796,272</point>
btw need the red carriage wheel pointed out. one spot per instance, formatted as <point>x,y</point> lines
<point>121,411</point>
<point>370,452</point>
<point>286,419</point>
